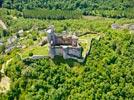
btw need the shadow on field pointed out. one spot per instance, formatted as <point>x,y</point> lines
<point>58,60</point>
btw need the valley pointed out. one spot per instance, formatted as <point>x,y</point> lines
<point>66,50</point>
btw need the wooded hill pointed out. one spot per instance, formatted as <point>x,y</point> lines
<point>51,14</point>
<point>106,8</point>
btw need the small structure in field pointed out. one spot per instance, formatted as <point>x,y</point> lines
<point>20,33</point>
<point>131,27</point>
<point>1,43</point>
<point>115,26</point>
<point>124,26</point>
<point>66,46</point>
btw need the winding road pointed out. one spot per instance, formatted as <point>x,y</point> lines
<point>5,81</point>
<point>2,24</point>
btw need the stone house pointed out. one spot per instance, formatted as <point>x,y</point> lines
<point>20,33</point>
<point>9,49</point>
<point>12,39</point>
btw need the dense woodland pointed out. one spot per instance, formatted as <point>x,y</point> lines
<point>107,73</point>
<point>51,14</point>
<point>106,8</point>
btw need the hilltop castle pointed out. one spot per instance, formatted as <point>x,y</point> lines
<point>66,46</point>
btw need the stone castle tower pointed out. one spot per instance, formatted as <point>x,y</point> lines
<point>50,35</point>
<point>66,46</point>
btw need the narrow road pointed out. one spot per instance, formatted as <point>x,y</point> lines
<point>2,24</point>
<point>5,81</point>
<point>4,65</point>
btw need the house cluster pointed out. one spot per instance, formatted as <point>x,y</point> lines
<point>11,41</point>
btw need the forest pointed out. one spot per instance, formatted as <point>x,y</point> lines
<point>51,14</point>
<point>105,8</point>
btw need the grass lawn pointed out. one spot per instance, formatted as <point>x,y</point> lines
<point>85,42</point>
<point>86,46</point>
<point>36,50</point>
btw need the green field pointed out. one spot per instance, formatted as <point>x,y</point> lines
<point>37,50</point>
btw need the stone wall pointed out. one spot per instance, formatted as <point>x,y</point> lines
<point>89,48</point>
<point>66,51</point>
<point>55,50</point>
<point>74,51</point>
<point>36,57</point>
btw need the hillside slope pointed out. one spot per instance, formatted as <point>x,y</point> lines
<point>107,73</point>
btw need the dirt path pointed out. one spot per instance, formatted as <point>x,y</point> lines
<point>4,84</point>
<point>5,64</point>
<point>5,81</point>
<point>2,24</point>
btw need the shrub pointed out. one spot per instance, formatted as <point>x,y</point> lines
<point>34,38</point>
<point>30,54</point>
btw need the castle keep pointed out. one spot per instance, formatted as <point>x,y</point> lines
<point>66,46</point>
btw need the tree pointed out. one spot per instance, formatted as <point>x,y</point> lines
<point>34,38</point>
<point>30,54</point>
<point>5,33</point>
<point>1,2</point>
<point>2,48</point>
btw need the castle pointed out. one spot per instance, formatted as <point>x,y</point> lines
<point>66,46</point>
